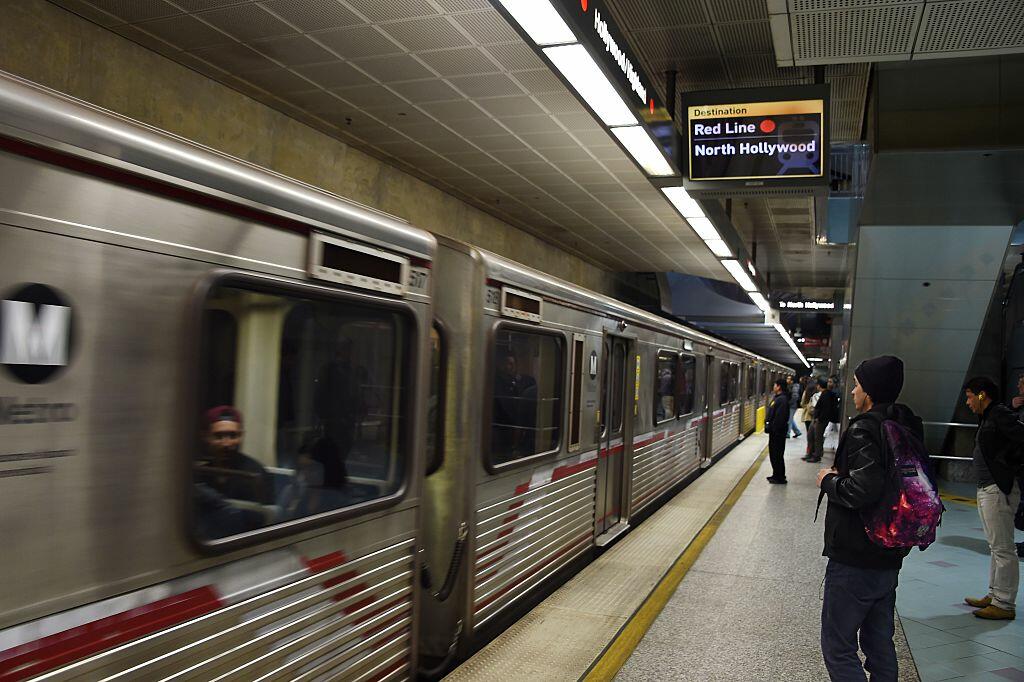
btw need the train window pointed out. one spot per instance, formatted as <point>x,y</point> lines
<point>576,392</point>
<point>664,386</point>
<point>219,360</point>
<point>723,383</point>
<point>734,382</point>
<point>317,421</point>
<point>686,383</point>
<point>617,378</point>
<point>526,412</point>
<point>435,403</point>
<point>751,377</point>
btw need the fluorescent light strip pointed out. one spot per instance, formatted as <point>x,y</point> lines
<point>540,20</point>
<point>739,274</point>
<point>704,229</point>
<point>815,359</point>
<point>719,248</point>
<point>789,339</point>
<point>643,150</point>
<point>583,73</point>
<point>759,300</point>
<point>684,203</point>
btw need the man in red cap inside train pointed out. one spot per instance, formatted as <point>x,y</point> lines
<point>226,469</point>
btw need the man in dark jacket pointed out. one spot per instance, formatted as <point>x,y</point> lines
<point>777,426</point>
<point>996,462</point>
<point>861,577</point>
<point>824,411</point>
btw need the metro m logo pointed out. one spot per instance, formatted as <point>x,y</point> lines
<point>36,333</point>
<point>31,339</point>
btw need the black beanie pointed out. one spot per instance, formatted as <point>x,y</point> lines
<point>881,378</point>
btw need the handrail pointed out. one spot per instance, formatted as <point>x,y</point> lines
<point>967,426</point>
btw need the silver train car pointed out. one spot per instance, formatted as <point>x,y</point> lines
<point>249,430</point>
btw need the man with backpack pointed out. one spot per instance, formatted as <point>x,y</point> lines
<point>863,570</point>
<point>997,461</point>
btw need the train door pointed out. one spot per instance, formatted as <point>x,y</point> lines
<point>616,439</point>
<point>708,407</point>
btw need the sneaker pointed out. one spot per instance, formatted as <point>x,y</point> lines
<point>978,603</point>
<point>992,612</point>
<point>778,481</point>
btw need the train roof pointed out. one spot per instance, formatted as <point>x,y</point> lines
<point>47,118</point>
<point>504,270</point>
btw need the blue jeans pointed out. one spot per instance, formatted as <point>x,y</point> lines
<point>859,601</point>
<point>792,422</point>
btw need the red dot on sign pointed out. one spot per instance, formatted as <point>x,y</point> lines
<point>652,106</point>
<point>767,125</point>
<point>583,4</point>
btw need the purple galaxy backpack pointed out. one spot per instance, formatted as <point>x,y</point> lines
<point>909,510</point>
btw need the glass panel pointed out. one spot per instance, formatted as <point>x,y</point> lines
<point>527,402</point>
<point>577,390</point>
<point>435,408</point>
<point>664,387</point>
<point>723,383</point>
<point>687,382</point>
<point>316,422</point>
<point>618,389</point>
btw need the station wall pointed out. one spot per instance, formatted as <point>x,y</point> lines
<point>58,49</point>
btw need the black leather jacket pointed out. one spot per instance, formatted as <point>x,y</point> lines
<point>859,483</point>
<point>1000,437</point>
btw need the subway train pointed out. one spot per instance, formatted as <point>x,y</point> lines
<point>250,430</point>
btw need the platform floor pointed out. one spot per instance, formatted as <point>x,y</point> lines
<point>750,607</point>
<point>949,643</point>
<point>565,634</point>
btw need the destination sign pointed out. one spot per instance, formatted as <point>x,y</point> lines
<point>756,140</point>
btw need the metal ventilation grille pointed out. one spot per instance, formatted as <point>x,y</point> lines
<point>948,26</point>
<point>830,5</point>
<point>849,34</point>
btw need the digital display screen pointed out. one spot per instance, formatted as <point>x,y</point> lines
<point>516,302</point>
<point>756,140</point>
<point>358,263</point>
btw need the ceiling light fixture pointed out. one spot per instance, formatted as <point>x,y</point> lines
<point>704,229</point>
<point>759,300</point>
<point>719,248</point>
<point>540,20</point>
<point>643,150</point>
<point>815,359</point>
<point>789,340</point>
<point>740,275</point>
<point>583,73</point>
<point>684,203</point>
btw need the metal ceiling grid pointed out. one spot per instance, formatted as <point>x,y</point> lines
<point>443,88</point>
<point>828,31</point>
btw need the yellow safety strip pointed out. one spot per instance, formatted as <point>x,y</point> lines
<point>625,642</point>
<point>950,497</point>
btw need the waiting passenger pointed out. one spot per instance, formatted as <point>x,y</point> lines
<point>225,468</point>
<point>793,390</point>
<point>805,399</point>
<point>515,410</point>
<point>824,413</point>
<point>776,426</point>
<point>997,456</point>
<point>1018,407</point>
<point>861,576</point>
<point>812,404</point>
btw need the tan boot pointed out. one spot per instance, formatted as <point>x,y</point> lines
<point>978,603</point>
<point>991,612</point>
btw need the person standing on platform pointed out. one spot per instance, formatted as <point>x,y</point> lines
<point>861,577</point>
<point>997,458</point>
<point>824,411</point>
<point>1018,407</point>
<point>777,427</point>
<point>805,409</point>
<point>793,388</point>
<point>812,405</point>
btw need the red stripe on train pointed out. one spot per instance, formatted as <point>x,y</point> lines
<point>62,648</point>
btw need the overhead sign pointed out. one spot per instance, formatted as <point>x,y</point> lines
<point>594,26</point>
<point>757,137</point>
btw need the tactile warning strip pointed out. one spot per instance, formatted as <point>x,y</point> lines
<point>560,638</point>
